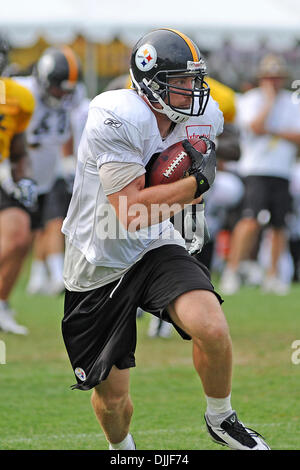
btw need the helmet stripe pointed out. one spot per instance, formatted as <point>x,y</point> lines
<point>194,52</point>
<point>72,63</point>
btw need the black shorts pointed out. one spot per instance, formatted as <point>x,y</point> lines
<point>99,326</point>
<point>267,199</point>
<point>52,205</point>
<point>8,202</point>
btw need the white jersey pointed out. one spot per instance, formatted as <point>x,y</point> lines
<point>267,155</point>
<point>122,128</point>
<point>48,130</point>
<point>78,120</point>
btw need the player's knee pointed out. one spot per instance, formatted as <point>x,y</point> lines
<point>214,334</point>
<point>250,223</point>
<point>20,240</point>
<point>110,402</point>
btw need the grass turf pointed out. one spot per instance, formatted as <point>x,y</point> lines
<point>38,411</point>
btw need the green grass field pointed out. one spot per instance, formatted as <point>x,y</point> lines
<point>39,411</point>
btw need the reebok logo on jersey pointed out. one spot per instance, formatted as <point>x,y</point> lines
<point>112,122</point>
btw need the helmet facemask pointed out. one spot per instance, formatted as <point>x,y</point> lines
<point>56,96</point>
<point>161,86</point>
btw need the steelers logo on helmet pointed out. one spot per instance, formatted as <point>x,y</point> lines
<point>146,57</point>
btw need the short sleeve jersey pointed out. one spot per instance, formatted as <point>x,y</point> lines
<point>122,128</point>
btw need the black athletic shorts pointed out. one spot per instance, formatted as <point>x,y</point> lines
<point>99,326</point>
<point>267,199</point>
<point>57,201</point>
<point>8,202</point>
<point>51,205</point>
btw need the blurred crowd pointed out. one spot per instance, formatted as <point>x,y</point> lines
<point>252,210</point>
<point>237,66</point>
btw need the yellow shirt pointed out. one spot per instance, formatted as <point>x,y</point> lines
<point>16,108</point>
<point>223,95</point>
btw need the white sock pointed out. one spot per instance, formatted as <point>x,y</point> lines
<point>218,409</point>
<point>38,269</point>
<point>126,444</point>
<point>55,265</point>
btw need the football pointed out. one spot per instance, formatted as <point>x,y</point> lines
<point>172,163</point>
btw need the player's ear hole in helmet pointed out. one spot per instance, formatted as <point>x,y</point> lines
<point>165,55</point>
<point>57,72</point>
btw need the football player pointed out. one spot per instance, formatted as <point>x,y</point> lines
<point>17,190</point>
<point>55,86</point>
<point>228,149</point>
<point>122,251</point>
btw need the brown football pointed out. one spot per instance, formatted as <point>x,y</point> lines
<point>172,163</point>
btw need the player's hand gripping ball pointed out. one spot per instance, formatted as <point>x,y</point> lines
<point>173,163</point>
<point>187,158</point>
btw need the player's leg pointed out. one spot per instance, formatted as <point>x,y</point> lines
<point>280,206</point>
<point>277,248</point>
<point>199,314</point>
<point>15,240</point>
<point>55,254</point>
<point>38,279</point>
<point>244,234</point>
<point>101,350</point>
<point>113,408</point>
<point>56,206</point>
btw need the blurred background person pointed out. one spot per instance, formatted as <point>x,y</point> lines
<point>17,190</point>
<point>294,225</point>
<point>54,84</point>
<point>227,192</point>
<point>270,135</point>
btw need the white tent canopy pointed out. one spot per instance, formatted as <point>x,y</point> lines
<point>208,22</point>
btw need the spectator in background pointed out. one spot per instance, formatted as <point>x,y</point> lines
<point>270,124</point>
<point>294,225</point>
<point>228,188</point>
<point>224,63</point>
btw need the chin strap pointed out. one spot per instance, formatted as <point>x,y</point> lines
<point>174,116</point>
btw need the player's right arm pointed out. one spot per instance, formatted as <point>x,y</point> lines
<point>117,141</point>
<point>138,207</point>
<point>20,186</point>
<point>19,160</point>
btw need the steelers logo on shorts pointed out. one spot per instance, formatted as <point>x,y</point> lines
<point>145,57</point>
<point>80,374</point>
